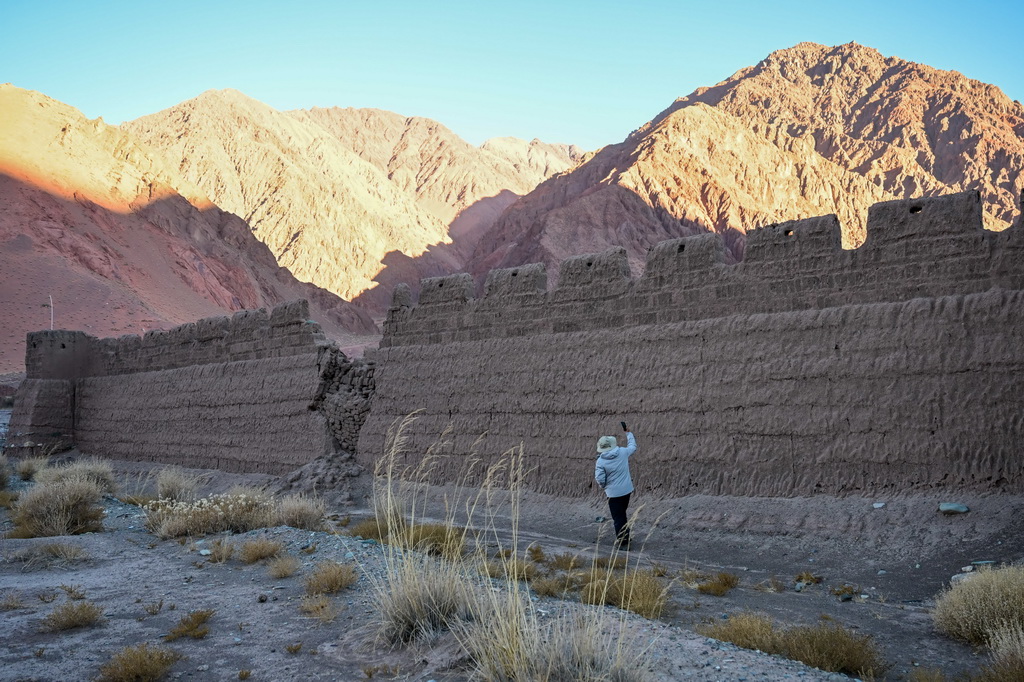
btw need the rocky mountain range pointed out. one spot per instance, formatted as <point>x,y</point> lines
<point>810,130</point>
<point>101,225</point>
<point>335,192</point>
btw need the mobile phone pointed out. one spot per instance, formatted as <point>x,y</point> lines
<point>624,426</point>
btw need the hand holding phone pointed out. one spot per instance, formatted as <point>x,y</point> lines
<point>624,426</point>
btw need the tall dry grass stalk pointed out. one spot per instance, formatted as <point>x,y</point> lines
<point>496,621</point>
<point>175,484</point>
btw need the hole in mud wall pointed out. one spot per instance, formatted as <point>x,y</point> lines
<point>62,345</point>
<point>589,263</point>
<point>440,284</point>
<point>681,248</point>
<point>915,209</point>
<point>514,273</point>
<point>788,233</point>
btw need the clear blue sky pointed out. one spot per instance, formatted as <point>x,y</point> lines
<point>581,72</point>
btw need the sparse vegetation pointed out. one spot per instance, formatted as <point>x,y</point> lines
<point>319,606</point>
<point>244,674</point>
<point>826,646</point>
<point>514,568</point>
<point>94,470</point>
<point>154,608</point>
<point>536,554</point>
<point>72,614</point>
<point>257,550</point>
<point>27,468</point>
<point>193,625</point>
<point>5,472</point>
<point>283,566</point>
<point>719,584</point>
<point>7,499</point>
<point>300,511</point>
<point>974,609</point>
<point>49,554</point>
<point>141,663</point>
<point>293,648</point>
<point>808,578</point>
<point>72,591</point>
<point>176,485</point>
<point>565,562</point>
<point>237,512</point>
<point>329,577</point>
<point>221,551</point>
<point>67,507</point>
<point>12,601</point>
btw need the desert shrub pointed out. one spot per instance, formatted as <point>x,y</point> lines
<point>72,614</point>
<point>8,498</point>
<point>94,470</point>
<point>420,596</point>
<point>177,485</point>
<point>927,675</point>
<point>565,562</point>
<point>511,567</point>
<point>536,554</point>
<point>27,468</point>
<point>5,472</point>
<point>435,538</point>
<point>283,567</point>
<point>141,663</point>
<point>638,591</point>
<point>618,562</point>
<point>319,606</point>
<point>371,529</point>
<point>719,584</point>
<point>236,512</point>
<point>826,646</point>
<point>12,601</point>
<point>193,625</point>
<point>509,644</point>
<point>49,554</point>
<point>67,507</point>
<point>221,550</point>
<point>257,550</point>
<point>300,511</point>
<point>972,609</point>
<point>550,587</point>
<point>329,577</point>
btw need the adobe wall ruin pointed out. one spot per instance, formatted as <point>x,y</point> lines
<point>255,392</point>
<point>805,369</point>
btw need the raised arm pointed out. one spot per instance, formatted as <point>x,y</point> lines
<point>630,444</point>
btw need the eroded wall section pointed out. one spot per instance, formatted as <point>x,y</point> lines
<point>256,392</point>
<point>806,369</point>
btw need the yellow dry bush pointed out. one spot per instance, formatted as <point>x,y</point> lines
<point>283,567</point>
<point>193,625</point>
<point>319,606</point>
<point>329,577</point>
<point>68,507</point>
<point>142,663</point>
<point>719,584</point>
<point>973,608</point>
<point>72,614</point>
<point>95,470</point>
<point>235,512</point>
<point>748,630</point>
<point>27,468</point>
<point>300,511</point>
<point>257,550</point>
<point>177,485</point>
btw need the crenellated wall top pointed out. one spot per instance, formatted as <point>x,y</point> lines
<point>914,248</point>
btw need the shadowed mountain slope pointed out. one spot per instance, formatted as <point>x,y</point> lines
<point>123,244</point>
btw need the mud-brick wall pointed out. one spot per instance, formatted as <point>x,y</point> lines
<point>255,392</point>
<point>923,394</point>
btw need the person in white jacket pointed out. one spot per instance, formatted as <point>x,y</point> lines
<point>612,473</point>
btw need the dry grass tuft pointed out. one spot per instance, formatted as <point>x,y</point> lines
<point>95,470</point>
<point>257,550</point>
<point>319,606</point>
<point>193,625</point>
<point>638,591</point>
<point>370,529</point>
<point>329,577</point>
<point>283,567</point>
<point>972,610</point>
<point>300,511</point>
<point>12,601</point>
<point>237,512</point>
<point>72,614</point>
<point>719,585</point>
<point>565,562</point>
<point>7,499</point>
<point>826,646</point>
<point>435,538</point>
<point>141,663</point>
<point>49,554</point>
<point>74,592</point>
<point>293,648</point>
<point>927,675</point>
<point>511,568</point>
<point>68,507</point>
<point>808,578</point>
<point>550,587</point>
<point>221,551</point>
<point>5,472</point>
<point>421,596</point>
<point>30,466</point>
<point>536,554</point>
<point>176,485</point>
<point>616,562</point>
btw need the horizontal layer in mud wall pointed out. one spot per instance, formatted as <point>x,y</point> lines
<point>922,394</point>
<point>248,416</point>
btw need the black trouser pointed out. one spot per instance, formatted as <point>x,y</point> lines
<point>618,506</point>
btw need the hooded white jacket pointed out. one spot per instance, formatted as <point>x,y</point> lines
<point>612,469</point>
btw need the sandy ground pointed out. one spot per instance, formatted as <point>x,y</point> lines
<point>257,617</point>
